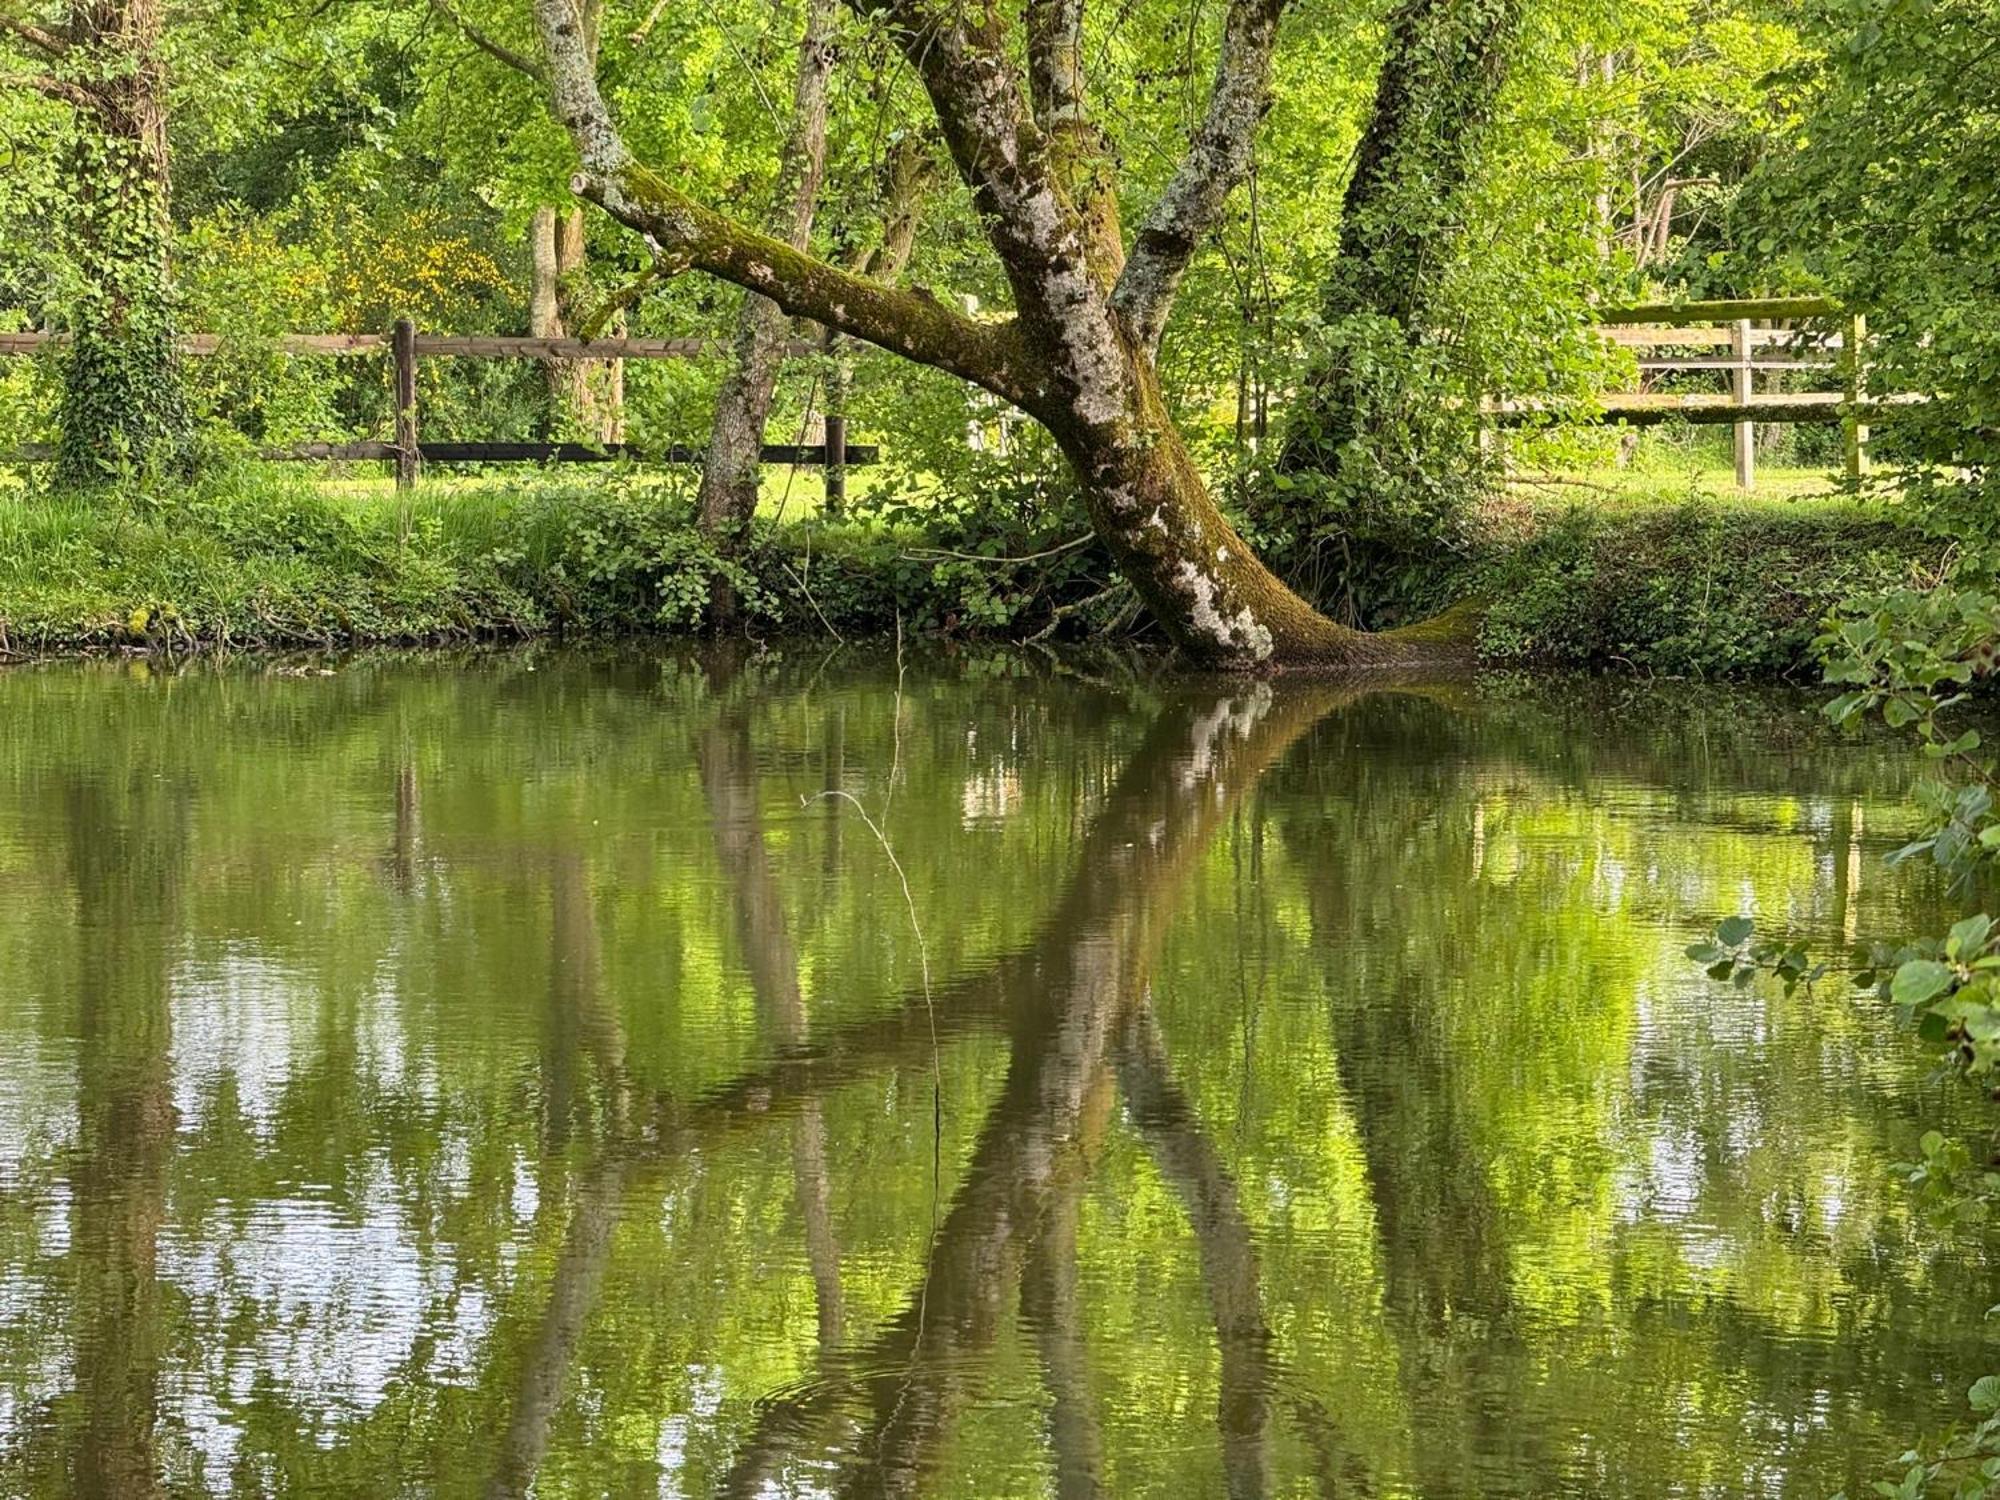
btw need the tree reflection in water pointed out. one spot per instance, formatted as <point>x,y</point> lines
<point>513,1197</point>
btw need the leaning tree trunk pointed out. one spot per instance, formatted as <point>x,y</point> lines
<point>1434,98</point>
<point>730,475</point>
<point>1078,353</point>
<point>123,406</point>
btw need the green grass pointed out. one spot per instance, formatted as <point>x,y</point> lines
<point>1665,573</point>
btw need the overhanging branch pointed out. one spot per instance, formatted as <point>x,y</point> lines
<point>1217,160</point>
<point>686,235</point>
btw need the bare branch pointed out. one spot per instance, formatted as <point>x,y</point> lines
<point>1218,158</point>
<point>497,50</point>
<point>685,234</point>
<point>51,87</point>
<point>45,42</point>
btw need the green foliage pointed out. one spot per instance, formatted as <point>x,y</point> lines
<point>252,555</point>
<point>1733,954</point>
<point>1890,198</point>
<point>1703,588</point>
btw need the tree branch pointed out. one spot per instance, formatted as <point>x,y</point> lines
<point>685,234</point>
<point>51,87</point>
<point>1218,158</point>
<point>45,42</point>
<point>1079,152</point>
<point>497,50</point>
<point>976,90</point>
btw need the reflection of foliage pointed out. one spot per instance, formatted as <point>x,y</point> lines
<point>1911,656</point>
<point>437,933</point>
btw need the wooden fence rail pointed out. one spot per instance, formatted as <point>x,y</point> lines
<point>1731,326</point>
<point>408,452</point>
<point>1751,348</point>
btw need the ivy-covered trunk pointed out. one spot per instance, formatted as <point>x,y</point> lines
<point>123,405</point>
<point>1403,211</point>
<point>1381,465</point>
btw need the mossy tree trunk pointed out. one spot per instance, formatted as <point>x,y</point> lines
<point>1078,352</point>
<point>123,405</point>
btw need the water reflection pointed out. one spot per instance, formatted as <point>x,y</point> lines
<point>518,1081</point>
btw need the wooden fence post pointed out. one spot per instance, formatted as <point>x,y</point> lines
<point>1853,361</point>
<point>1746,432</point>
<point>403,345</point>
<point>836,435</point>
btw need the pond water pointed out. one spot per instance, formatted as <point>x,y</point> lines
<point>532,1074</point>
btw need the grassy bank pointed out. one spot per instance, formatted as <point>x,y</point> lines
<point>264,557</point>
<point>261,557</point>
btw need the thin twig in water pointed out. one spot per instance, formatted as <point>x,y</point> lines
<point>812,601</point>
<point>896,723</point>
<point>923,959</point>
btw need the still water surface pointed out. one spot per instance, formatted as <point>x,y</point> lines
<point>519,1075</point>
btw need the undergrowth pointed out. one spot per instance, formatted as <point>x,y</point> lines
<point>264,557</point>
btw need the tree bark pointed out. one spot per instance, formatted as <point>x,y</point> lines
<point>586,396</point>
<point>1074,355</point>
<point>729,478</point>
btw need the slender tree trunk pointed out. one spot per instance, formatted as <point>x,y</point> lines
<point>907,179</point>
<point>123,405</point>
<point>586,396</point>
<point>729,480</point>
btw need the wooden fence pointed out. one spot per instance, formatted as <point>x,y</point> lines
<point>409,452</point>
<point>1738,339</point>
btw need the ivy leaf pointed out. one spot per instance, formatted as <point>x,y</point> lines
<point>1731,931</point>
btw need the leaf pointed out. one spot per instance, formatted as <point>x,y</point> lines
<point>1984,1396</point>
<point>1919,980</point>
<point>1910,851</point>
<point>1968,937</point>
<point>1706,953</point>
<point>1732,931</point>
